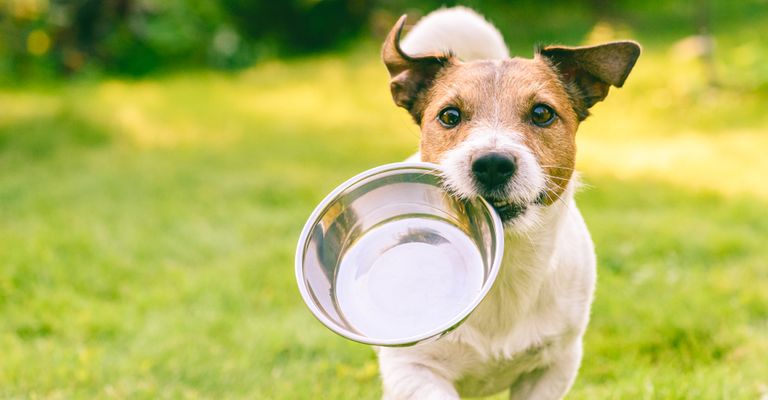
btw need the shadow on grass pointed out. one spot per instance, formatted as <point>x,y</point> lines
<point>39,136</point>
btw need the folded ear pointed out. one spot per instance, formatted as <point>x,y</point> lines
<point>589,71</point>
<point>411,76</point>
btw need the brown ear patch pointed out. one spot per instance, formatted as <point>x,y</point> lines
<point>411,76</point>
<point>589,71</point>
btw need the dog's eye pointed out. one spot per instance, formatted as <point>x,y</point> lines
<point>542,115</point>
<point>449,117</point>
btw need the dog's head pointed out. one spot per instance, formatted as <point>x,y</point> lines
<point>505,129</point>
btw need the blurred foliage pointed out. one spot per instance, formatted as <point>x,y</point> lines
<point>134,37</point>
<point>299,25</point>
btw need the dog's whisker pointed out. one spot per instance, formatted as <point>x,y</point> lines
<point>560,198</point>
<point>556,177</point>
<point>558,167</point>
<point>557,197</point>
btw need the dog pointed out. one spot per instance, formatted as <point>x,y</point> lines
<point>504,128</point>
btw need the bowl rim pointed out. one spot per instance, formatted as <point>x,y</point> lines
<point>313,219</point>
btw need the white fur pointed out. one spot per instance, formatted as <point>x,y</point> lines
<point>460,30</point>
<point>526,334</point>
<point>523,188</point>
<point>527,182</point>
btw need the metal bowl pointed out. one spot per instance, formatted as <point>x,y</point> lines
<point>390,258</point>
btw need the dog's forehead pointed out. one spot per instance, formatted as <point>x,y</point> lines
<point>486,79</point>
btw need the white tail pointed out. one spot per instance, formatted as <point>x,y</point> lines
<point>458,29</point>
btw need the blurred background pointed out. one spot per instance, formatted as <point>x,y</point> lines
<point>158,159</point>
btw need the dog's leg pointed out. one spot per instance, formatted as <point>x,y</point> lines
<point>410,381</point>
<point>552,382</point>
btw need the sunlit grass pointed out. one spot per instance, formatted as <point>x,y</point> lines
<point>148,229</point>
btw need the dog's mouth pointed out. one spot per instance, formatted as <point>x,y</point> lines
<point>509,209</point>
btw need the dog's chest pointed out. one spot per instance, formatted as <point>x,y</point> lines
<point>501,349</point>
<point>488,376</point>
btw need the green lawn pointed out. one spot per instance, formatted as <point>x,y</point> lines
<point>147,230</point>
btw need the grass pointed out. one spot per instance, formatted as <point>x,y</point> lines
<point>147,230</point>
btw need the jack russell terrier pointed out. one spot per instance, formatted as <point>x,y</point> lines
<point>504,128</point>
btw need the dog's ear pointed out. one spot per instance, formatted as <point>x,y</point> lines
<point>411,76</point>
<point>589,71</point>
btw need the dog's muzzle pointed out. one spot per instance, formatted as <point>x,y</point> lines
<point>492,172</point>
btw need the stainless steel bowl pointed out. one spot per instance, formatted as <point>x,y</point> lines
<point>390,258</point>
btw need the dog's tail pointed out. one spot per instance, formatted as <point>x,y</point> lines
<point>459,30</point>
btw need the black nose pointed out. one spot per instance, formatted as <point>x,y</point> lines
<point>493,169</point>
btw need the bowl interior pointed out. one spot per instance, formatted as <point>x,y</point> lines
<point>390,258</point>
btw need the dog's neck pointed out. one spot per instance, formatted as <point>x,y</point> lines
<point>528,262</point>
<point>540,229</point>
